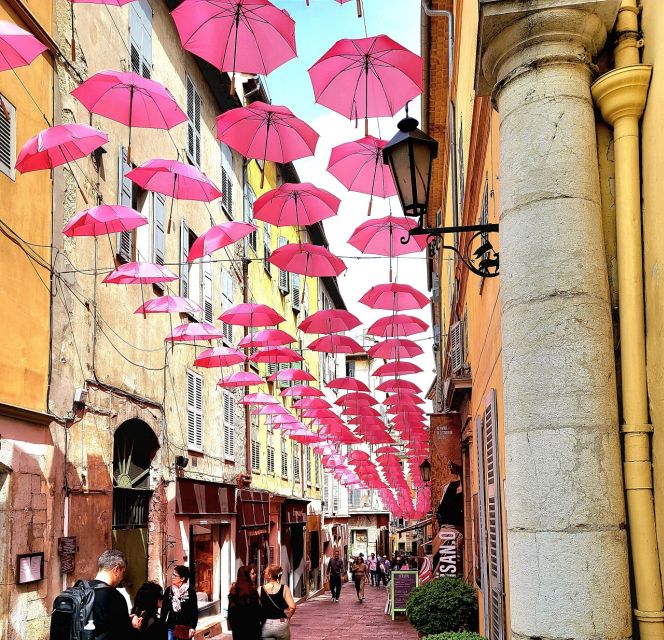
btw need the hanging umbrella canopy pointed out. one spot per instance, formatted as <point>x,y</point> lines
<point>140,273</point>
<point>394,348</point>
<point>266,338</point>
<point>276,355</point>
<point>241,379</point>
<point>396,326</point>
<point>259,398</point>
<point>395,384</point>
<point>394,297</point>
<point>320,413</point>
<point>336,344</point>
<point>174,179</point>
<point>395,368</point>
<point>298,204</point>
<point>103,219</point>
<point>219,357</point>
<point>301,391</point>
<point>402,397</point>
<point>193,331</point>
<point>219,236</point>
<point>311,402</point>
<point>356,397</point>
<point>307,260</point>
<point>248,36</point>
<point>360,409</point>
<point>112,3</point>
<point>329,321</point>
<point>169,304</point>
<point>59,145</point>
<point>18,47</point>
<point>291,375</point>
<point>403,409</point>
<point>348,383</point>
<point>388,450</point>
<point>251,315</point>
<point>383,237</point>
<point>367,77</point>
<point>283,418</point>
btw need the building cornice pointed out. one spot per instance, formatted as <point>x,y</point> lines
<point>21,414</point>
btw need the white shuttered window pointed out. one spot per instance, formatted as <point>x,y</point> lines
<point>194,411</point>
<point>194,123</point>
<point>227,182</point>
<point>229,430</point>
<point>227,303</point>
<point>140,37</point>
<point>7,138</point>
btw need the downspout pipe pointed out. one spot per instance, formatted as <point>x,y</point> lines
<point>621,96</point>
<point>444,13</point>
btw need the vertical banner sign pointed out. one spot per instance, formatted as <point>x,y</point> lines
<point>403,582</point>
<point>446,551</point>
<point>67,552</point>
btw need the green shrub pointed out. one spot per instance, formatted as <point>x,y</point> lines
<point>456,635</point>
<point>443,604</point>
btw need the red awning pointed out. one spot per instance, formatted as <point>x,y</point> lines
<point>294,512</point>
<point>253,509</point>
<point>195,498</point>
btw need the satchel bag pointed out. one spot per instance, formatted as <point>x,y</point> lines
<point>181,632</point>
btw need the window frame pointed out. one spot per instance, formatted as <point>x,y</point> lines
<point>10,169</point>
<point>228,426</point>
<point>193,127</point>
<point>195,382</point>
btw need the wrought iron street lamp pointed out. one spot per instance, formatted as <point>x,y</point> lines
<point>410,155</point>
<point>425,471</point>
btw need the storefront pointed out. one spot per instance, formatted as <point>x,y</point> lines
<point>293,552</point>
<point>314,559</point>
<point>253,515</point>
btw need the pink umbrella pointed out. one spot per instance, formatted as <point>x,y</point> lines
<point>356,398</point>
<point>396,368</point>
<point>311,403</point>
<point>241,379</point>
<point>397,325</point>
<point>130,99</point>
<point>329,321</point>
<point>336,344</point>
<point>219,357</point>
<point>169,304</point>
<point>321,412</point>
<point>394,348</point>
<point>395,297</point>
<point>139,273</point>
<point>300,391</point>
<point>259,399</point>
<point>403,397</point>
<point>291,375</point>
<point>359,166</point>
<point>297,204</point>
<point>18,47</point>
<point>266,338</point>
<point>218,237</point>
<point>193,331</point>
<point>351,384</point>
<point>249,36</point>
<point>251,315</point>
<point>367,78</point>
<point>395,384</point>
<point>103,219</point>
<point>308,260</point>
<point>276,355</point>
<point>384,450</point>
<point>266,132</point>
<point>113,3</point>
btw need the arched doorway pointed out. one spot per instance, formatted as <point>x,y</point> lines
<point>134,447</point>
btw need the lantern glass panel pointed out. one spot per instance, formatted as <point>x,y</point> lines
<point>412,185</point>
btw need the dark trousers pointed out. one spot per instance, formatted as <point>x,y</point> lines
<point>335,586</point>
<point>374,577</point>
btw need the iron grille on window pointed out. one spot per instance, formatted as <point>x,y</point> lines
<point>130,508</point>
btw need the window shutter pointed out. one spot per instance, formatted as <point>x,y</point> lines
<point>456,346</point>
<point>184,256</point>
<point>284,459</point>
<point>295,294</point>
<point>255,449</point>
<point>194,123</point>
<point>125,239</point>
<point>194,410</point>
<point>7,139</point>
<point>266,246</point>
<point>270,454</point>
<point>481,576</point>
<point>140,37</point>
<point>283,275</point>
<point>227,179</point>
<point>208,314</point>
<point>227,302</point>
<point>296,463</point>
<point>248,213</point>
<point>462,179</point>
<point>229,431</point>
<point>159,239</point>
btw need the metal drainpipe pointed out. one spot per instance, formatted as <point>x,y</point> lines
<point>247,417</point>
<point>438,13</point>
<point>621,95</point>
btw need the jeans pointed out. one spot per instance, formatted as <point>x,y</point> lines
<point>171,634</point>
<point>335,586</point>
<point>374,577</point>
<point>276,630</point>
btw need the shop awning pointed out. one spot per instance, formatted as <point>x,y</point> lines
<point>203,499</point>
<point>418,525</point>
<point>294,512</point>
<point>253,509</point>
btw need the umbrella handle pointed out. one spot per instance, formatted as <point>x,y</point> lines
<point>359,8</point>
<point>370,205</point>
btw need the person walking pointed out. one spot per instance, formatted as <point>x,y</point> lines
<point>380,571</point>
<point>149,599</point>
<point>373,569</point>
<point>360,571</point>
<point>245,616</point>
<point>387,566</point>
<point>334,571</point>
<point>180,609</point>
<point>277,605</point>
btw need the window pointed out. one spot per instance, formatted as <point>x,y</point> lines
<point>229,431</point>
<point>354,498</point>
<point>335,497</point>
<point>350,368</point>
<point>206,294</point>
<point>284,284</point>
<point>255,446</point>
<point>462,179</point>
<point>194,411</point>
<point>307,465</point>
<point>125,247</point>
<point>140,37</point>
<point>7,138</point>
<point>195,277</point>
<point>184,259</point>
<point>296,297</point>
<point>248,213</point>
<point>317,470</point>
<point>270,454</point>
<point>456,347</point>
<point>227,179</point>
<point>284,459</point>
<point>227,303</point>
<point>266,247</point>
<point>326,494</point>
<point>159,228</point>
<point>296,463</point>
<point>194,123</point>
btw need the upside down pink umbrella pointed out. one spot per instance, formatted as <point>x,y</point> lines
<point>220,236</point>
<point>18,47</point>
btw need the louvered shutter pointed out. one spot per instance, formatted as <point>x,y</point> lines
<point>229,431</point>
<point>255,449</point>
<point>125,239</point>
<point>140,37</point>
<point>194,123</point>
<point>184,255</point>
<point>159,238</point>
<point>482,576</point>
<point>227,179</point>
<point>270,454</point>
<point>227,302</point>
<point>283,275</point>
<point>7,139</point>
<point>494,519</point>
<point>456,346</point>
<point>194,410</point>
<point>248,213</point>
<point>208,313</point>
<point>296,303</point>
<point>284,459</point>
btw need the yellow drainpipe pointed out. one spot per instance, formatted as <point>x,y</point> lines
<point>621,96</point>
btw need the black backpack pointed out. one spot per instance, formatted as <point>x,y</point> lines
<point>72,610</point>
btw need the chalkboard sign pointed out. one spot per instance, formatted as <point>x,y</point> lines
<point>403,582</point>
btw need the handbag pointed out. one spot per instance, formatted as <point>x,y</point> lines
<point>181,632</point>
<point>326,585</point>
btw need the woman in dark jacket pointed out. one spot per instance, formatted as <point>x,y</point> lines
<point>180,610</point>
<point>244,609</point>
<point>146,606</point>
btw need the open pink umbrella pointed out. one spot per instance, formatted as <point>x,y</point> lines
<point>359,166</point>
<point>266,132</point>
<point>356,397</point>
<point>249,36</point>
<point>312,403</point>
<point>291,375</point>
<point>220,236</point>
<point>193,331</point>
<point>169,304</point>
<point>276,355</point>
<point>300,391</point>
<point>296,204</point>
<point>266,338</point>
<point>393,348</point>
<point>396,326</point>
<point>349,383</point>
<point>112,3</point>
<point>307,260</point>
<point>396,368</point>
<point>367,78</point>
<point>241,379</point>
<point>104,219</point>
<point>130,99</point>
<point>217,357</point>
<point>140,273</point>
<point>395,385</point>
<point>329,321</point>
<point>251,315</point>
<point>403,397</point>
<point>394,297</point>
<point>18,47</point>
<point>336,344</point>
<point>259,398</point>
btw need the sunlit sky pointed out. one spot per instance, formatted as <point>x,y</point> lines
<point>318,27</point>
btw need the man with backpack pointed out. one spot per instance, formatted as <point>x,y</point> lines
<point>95,609</point>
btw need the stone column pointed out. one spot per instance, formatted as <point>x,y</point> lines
<point>566,543</point>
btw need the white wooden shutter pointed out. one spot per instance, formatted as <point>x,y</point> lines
<point>270,454</point>
<point>296,301</point>
<point>267,252</point>
<point>284,458</point>
<point>184,256</point>
<point>140,37</point>
<point>194,411</point>
<point>482,579</point>
<point>456,346</point>
<point>283,275</point>
<point>296,463</point>
<point>227,302</point>
<point>255,449</point>
<point>227,179</point>
<point>194,123</point>
<point>159,229</point>
<point>248,213</point>
<point>229,431</point>
<point>8,139</point>
<point>208,309</point>
<point>125,239</point>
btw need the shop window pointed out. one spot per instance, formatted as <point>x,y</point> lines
<point>204,546</point>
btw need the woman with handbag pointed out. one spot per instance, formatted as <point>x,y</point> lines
<point>244,611</point>
<point>180,610</point>
<point>277,604</point>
